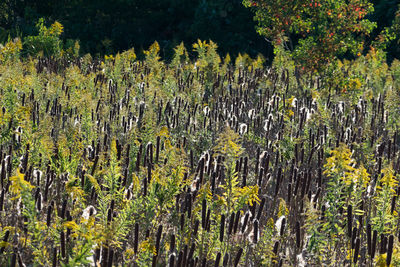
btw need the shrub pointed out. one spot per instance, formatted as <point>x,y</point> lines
<point>47,43</point>
<point>10,50</point>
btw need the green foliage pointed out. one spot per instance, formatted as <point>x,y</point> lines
<point>10,51</point>
<point>181,56</point>
<point>47,42</point>
<point>324,29</point>
<point>186,150</point>
<point>208,59</point>
<point>384,221</point>
<point>105,27</point>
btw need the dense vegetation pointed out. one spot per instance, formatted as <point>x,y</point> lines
<point>181,157</point>
<point>106,27</point>
<point>315,32</point>
<point>197,163</point>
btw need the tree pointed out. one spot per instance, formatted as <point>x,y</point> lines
<point>315,32</point>
<point>388,38</point>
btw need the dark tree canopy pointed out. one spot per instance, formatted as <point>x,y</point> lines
<point>104,26</point>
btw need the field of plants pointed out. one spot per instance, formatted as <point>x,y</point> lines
<point>198,162</point>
